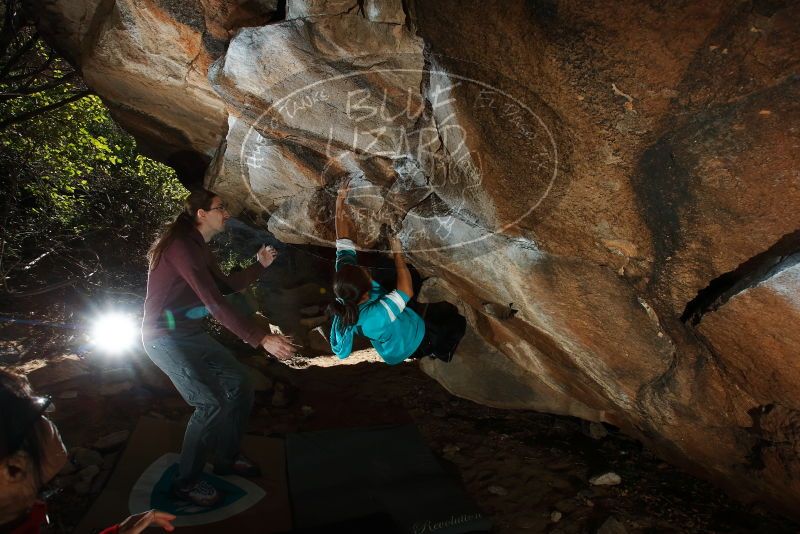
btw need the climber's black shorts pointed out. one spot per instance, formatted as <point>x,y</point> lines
<point>444,328</point>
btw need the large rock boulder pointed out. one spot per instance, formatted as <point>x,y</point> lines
<point>149,62</point>
<point>623,175</point>
<point>755,336</point>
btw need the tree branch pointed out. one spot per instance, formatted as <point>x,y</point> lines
<point>46,289</point>
<point>33,113</point>
<point>19,54</point>
<point>30,75</point>
<point>38,89</point>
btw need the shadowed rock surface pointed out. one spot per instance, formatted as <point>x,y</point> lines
<point>599,165</point>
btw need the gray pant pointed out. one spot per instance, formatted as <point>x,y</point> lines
<point>209,378</point>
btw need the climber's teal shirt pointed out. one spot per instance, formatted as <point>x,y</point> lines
<point>394,330</point>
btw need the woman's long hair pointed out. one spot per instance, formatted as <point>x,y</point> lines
<point>186,220</point>
<point>349,284</point>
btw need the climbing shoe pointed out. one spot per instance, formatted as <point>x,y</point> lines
<point>199,493</point>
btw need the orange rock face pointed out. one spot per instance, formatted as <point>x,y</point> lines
<point>626,175</point>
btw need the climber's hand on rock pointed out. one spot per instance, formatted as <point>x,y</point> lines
<point>396,245</point>
<point>345,228</point>
<point>344,189</point>
<point>279,346</point>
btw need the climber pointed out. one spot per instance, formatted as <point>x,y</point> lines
<point>183,277</point>
<point>31,454</point>
<point>365,308</point>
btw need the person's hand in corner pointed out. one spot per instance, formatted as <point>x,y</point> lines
<point>279,346</point>
<point>137,523</point>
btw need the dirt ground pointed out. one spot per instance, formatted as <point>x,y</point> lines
<point>529,471</point>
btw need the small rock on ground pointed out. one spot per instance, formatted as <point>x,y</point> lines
<point>109,460</point>
<point>83,457</point>
<point>606,479</point>
<point>85,477</point>
<point>450,448</point>
<point>68,469</point>
<point>612,526</point>
<point>497,490</point>
<point>100,481</point>
<point>597,431</point>
<point>112,441</point>
<point>116,388</point>
<point>119,374</point>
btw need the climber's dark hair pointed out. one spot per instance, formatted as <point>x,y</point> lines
<point>185,221</point>
<point>20,413</point>
<point>349,284</point>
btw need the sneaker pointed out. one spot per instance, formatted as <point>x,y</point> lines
<point>199,493</point>
<point>241,466</point>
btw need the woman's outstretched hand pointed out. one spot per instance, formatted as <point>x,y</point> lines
<point>266,255</point>
<point>279,346</point>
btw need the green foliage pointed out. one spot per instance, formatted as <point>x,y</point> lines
<point>74,183</point>
<point>231,260</point>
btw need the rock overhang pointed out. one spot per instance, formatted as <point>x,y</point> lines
<point>667,177</point>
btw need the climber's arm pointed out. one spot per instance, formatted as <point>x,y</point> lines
<point>404,283</point>
<point>344,224</point>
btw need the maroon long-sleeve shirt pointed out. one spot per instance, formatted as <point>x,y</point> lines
<point>187,276</point>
